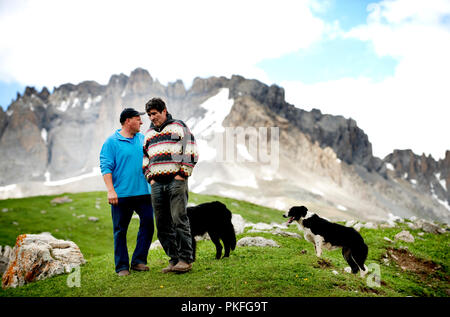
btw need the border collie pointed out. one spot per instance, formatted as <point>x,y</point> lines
<point>213,218</point>
<point>328,235</point>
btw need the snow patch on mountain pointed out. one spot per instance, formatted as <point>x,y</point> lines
<point>217,108</point>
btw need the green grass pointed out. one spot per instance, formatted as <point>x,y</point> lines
<point>248,272</point>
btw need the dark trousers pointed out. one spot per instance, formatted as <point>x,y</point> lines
<point>169,201</point>
<point>121,217</point>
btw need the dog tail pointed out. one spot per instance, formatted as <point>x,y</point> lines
<point>230,232</point>
<point>232,235</point>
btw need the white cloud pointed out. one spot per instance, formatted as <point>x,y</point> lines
<point>409,109</point>
<point>52,42</point>
<point>49,43</point>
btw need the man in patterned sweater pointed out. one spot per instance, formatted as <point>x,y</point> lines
<point>170,154</point>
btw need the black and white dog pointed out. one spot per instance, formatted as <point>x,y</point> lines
<point>213,218</point>
<point>328,235</point>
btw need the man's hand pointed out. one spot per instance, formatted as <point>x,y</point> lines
<point>112,197</point>
<point>180,178</point>
<point>152,182</point>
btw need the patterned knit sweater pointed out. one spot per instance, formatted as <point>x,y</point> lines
<point>169,150</point>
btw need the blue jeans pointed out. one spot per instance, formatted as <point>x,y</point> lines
<point>169,201</point>
<point>121,217</point>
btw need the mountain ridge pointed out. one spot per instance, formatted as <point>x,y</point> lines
<point>43,133</point>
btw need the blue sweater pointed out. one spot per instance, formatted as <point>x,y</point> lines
<point>122,157</point>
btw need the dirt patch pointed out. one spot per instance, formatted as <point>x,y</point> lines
<point>370,290</point>
<point>408,262</point>
<point>323,264</point>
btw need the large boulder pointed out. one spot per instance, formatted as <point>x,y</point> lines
<point>39,256</point>
<point>5,255</point>
<point>404,236</point>
<point>429,227</point>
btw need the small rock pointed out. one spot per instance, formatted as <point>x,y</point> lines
<point>335,272</point>
<point>395,218</point>
<point>61,200</point>
<point>93,219</point>
<point>238,223</point>
<point>370,225</point>
<point>404,236</point>
<point>257,242</point>
<point>413,226</point>
<point>155,245</point>
<point>282,233</point>
<point>388,240</point>
<point>5,210</point>
<point>350,223</point>
<point>278,226</point>
<point>421,234</point>
<point>15,223</point>
<point>43,212</point>
<point>358,226</point>
<point>262,226</point>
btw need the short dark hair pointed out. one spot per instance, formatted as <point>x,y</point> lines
<point>155,103</point>
<point>129,113</point>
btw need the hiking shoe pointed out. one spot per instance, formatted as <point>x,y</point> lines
<point>140,267</point>
<point>168,269</point>
<point>182,267</point>
<point>123,273</point>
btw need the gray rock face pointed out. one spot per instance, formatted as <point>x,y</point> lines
<point>44,130</point>
<point>423,172</point>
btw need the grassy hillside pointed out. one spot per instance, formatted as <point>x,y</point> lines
<point>292,270</point>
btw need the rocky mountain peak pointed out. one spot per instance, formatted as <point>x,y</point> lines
<point>30,91</point>
<point>43,133</point>
<point>176,90</point>
<point>44,94</point>
<point>422,171</point>
<point>349,142</point>
<point>139,83</point>
<point>117,81</point>
<point>201,86</point>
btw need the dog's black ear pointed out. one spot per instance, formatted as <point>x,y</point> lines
<point>303,211</point>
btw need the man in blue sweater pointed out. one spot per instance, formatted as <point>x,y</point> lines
<point>128,191</point>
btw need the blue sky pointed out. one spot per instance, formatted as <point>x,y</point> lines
<point>349,58</point>
<point>383,63</point>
